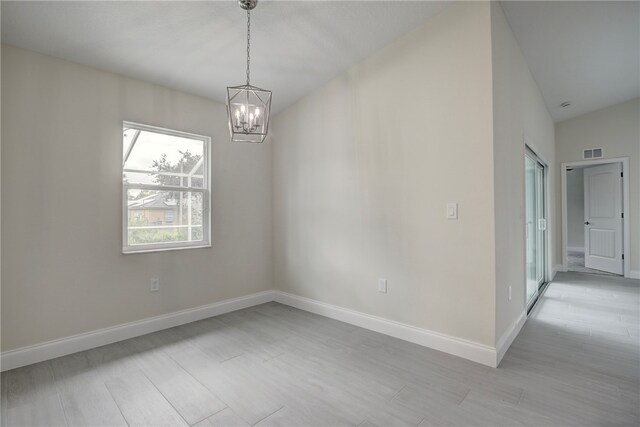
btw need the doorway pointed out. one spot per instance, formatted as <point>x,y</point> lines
<point>536,225</point>
<point>594,228</point>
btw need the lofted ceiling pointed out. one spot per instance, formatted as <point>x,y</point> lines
<point>584,52</point>
<point>200,47</point>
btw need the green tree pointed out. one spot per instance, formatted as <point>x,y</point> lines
<point>185,165</point>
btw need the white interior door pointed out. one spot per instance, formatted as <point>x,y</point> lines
<point>603,218</point>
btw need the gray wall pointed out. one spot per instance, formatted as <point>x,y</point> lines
<point>363,170</point>
<point>519,116</point>
<point>62,268</point>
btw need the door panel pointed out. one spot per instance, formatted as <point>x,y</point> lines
<point>603,242</point>
<point>603,218</point>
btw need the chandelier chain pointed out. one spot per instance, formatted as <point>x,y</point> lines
<point>248,44</point>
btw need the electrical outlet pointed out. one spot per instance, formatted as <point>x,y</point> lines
<point>509,292</point>
<point>154,284</point>
<point>382,285</point>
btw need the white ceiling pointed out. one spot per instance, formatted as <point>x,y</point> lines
<point>584,52</point>
<point>200,47</point>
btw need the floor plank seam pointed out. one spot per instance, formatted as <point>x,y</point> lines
<point>264,418</point>
<point>465,397</point>
<point>55,382</point>
<point>519,398</point>
<point>397,393</point>
<point>198,381</point>
<point>116,403</point>
<point>64,412</point>
<point>231,358</point>
<point>165,397</point>
<point>209,416</point>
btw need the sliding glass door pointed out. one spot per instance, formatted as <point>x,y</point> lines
<point>536,224</point>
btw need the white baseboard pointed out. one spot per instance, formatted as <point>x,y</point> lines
<point>470,350</point>
<point>507,338</point>
<point>575,248</point>
<point>634,274</point>
<point>559,268</point>
<point>37,353</point>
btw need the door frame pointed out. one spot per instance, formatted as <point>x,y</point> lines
<point>548,264</point>
<point>626,246</point>
<point>550,270</point>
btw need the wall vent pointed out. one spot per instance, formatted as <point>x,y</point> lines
<point>592,153</point>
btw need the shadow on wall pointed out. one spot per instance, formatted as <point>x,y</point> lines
<point>575,210</point>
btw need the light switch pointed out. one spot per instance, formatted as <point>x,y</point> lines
<point>452,211</point>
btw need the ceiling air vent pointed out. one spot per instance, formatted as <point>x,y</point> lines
<point>592,153</point>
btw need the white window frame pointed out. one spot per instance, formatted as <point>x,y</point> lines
<point>205,191</point>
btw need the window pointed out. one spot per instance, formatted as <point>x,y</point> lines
<point>165,182</point>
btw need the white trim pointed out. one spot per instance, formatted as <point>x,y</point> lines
<point>167,131</point>
<point>626,206</point>
<point>507,338</point>
<point>159,187</point>
<point>575,248</point>
<point>559,268</point>
<point>168,248</point>
<point>178,174</point>
<point>206,195</point>
<point>549,272</point>
<point>467,349</point>
<point>37,353</point>
<point>470,350</point>
<point>634,274</point>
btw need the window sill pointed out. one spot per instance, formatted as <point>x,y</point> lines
<point>129,251</point>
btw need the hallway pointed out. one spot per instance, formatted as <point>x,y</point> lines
<point>580,349</point>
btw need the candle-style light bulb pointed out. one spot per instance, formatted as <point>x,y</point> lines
<point>237,117</point>
<point>250,119</point>
<point>257,112</point>
<point>242,109</point>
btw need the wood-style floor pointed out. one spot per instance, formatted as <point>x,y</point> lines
<point>576,362</point>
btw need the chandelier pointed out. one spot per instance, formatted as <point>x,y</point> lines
<point>248,107</point>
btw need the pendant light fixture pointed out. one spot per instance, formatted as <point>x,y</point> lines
<point>248,107</point>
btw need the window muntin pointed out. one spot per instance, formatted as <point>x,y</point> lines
<point>165,189</point>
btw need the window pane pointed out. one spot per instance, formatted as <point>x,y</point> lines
<point>161,159</point>
<point>158,217</point>
<point>164,216</point>
<point>163,179</point>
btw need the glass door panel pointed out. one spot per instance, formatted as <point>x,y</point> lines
<point>541,225</point>
<point>535,223</point>
<point>530,217</point>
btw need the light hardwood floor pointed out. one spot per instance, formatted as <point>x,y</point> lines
<point>576,362</point>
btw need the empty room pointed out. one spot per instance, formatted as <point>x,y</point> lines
<point>320,213</point>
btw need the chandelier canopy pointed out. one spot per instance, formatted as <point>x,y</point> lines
<point>248,107</point>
